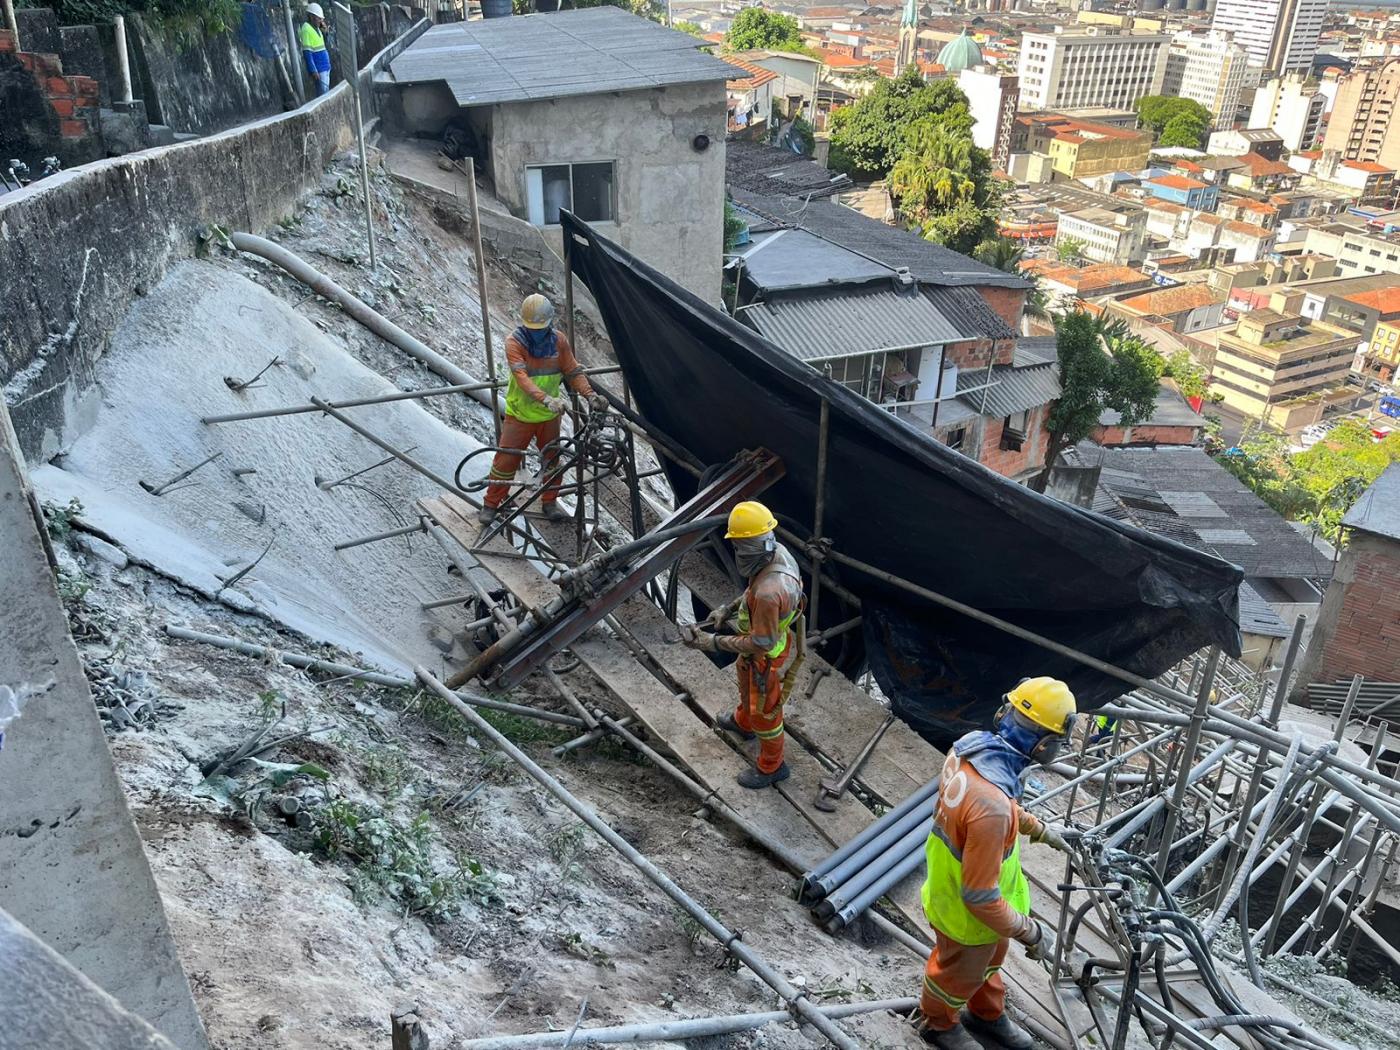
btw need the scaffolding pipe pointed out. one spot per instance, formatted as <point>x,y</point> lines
<point>677,1031</point>
<point>806,1010</point>
<point>1193,740</point>
<point>371,319</point>
<point>308,663</point>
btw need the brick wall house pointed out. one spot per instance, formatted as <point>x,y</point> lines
<point>1358,626</point>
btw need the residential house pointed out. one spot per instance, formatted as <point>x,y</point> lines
<point>1355,631</point>
<point>636,147</point>
<point>1216,170</point>
<point>798,79</point>
<point>1364,181</point>
<point>1359,245</point>
<point>1247,209</point>
<point>1081,149</point>
<point>931,335</point>
<point>1183,309</point>
<point>1065,285</point>
<point>1234,143</point>
<point>1365,312</point>
<point>1189,193</point>
<point>1109,235</point>
<point>1167,221</point>
<point>1172,421</point>
<point>750,101</point>
<point>1283,368</point>
<point>1258,174</point>
<point>1244,241</point>
<point>1383,352</point>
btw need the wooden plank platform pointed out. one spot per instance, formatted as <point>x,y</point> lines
<point>836,717</point>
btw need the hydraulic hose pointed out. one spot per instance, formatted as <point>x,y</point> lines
<point>356,308</point>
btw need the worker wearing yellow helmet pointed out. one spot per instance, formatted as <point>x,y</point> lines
<point>541,362</point>
<point>766,641</point>
<point>975,895</point>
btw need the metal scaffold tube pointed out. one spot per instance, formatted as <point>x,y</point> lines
<point>805,1010</point>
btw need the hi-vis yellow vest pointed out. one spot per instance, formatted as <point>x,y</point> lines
<point>943,884</point>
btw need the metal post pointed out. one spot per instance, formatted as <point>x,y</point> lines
<point>489,349</point>
<point>123,63</point>
<point>938,383</point>
<point>293,51</point>
<point>10,23</point>
<point>803,1007</point>
<point>819,511</point>
<point>345,33</point>
<point>1354,897</point>
<point>1305,831</point>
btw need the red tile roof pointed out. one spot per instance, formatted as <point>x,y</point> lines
<point>758,76</point>
<point>1368,166</point>
<point>1248,229</point>
<point>1177,182</point>
<point>1174,300</point>
<point>1262,167</point>
<point>1384,300</point>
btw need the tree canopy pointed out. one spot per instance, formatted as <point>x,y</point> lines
<point>1157,111</point>
<point>869,136</point>
<point>754,29</point>
<point>1102,366</point>
<point>1320,484</point>
<point>1185,129</point>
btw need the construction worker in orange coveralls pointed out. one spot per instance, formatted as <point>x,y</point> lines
<point>541,361</point>
<point>766,642</point>
<point>975,895</point>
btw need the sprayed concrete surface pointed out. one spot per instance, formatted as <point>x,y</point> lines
<point>164,372</point>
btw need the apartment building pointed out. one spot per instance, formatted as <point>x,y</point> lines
<point>1279,35</point>
<point>1108,235</point>
<point>1090,67</point>
<point>1363,181</point>
<point>1358,247</point>
<point>1081,149</point>
<point>1207,67</point>
<point>1282,368</point>
<point>1189,193</point>
<point>1293,106</point>
<point>991,98</point>
<point>1359,128</point>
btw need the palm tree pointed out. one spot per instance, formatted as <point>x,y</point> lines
<point>935,173</point>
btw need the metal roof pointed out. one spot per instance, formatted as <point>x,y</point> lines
<point>1205,496</point>
<point>818,328</point>
<point>1035,350</point>
<point>543,56</point>
<point>891,246</point>
<point>1168,410</point>
<point>1378,509</point>
<point>966,308</point>
<point>791,259</point>
<point>1257,616</point>
<point>1016,389</point>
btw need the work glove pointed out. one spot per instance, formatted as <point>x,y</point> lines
<point>1039,942</point>
<point>1056,836</point>
<point>557,405</point>
<point>597,403</point>
<point>694,638</point>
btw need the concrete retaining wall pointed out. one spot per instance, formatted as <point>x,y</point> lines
<point>72,867</point>
<point>78,247</point>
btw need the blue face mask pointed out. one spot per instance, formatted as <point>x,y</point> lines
<point>1002,757</point>
<point>540,342</point>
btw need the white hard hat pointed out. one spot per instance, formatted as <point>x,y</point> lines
<point>315,9</point>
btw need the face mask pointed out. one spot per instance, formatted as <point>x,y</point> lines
<point>754,553</point>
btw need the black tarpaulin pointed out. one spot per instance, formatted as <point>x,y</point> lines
<point>900,501</point>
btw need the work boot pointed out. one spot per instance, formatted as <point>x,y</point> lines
<point>554,512</point>
<point>755,778</point>
<point>730,725</point>
<point>486,515</point>
<point>1004,1030</point>
<point>955,1038</point>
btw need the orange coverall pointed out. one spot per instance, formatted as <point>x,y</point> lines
<point>516,434</point>
<point>981,823</point>
<point>772,596</point>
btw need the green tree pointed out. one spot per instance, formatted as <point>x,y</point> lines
<point>1069,250</point>
<point>1184,129</point>
<point>869,137</point>
<point>755,29</point>
<point>1101,367</point>
<point>734,226</point>
<point>1262,462</point>
<point>1337,470</point>
<point>1001,252</point>
<point>1190,378</point>
<point>1157,111</point>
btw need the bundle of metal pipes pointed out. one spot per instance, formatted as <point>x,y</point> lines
<point>864,869</point>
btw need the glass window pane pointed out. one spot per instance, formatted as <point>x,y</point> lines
<point>554,181</point>
<point>593,192</point>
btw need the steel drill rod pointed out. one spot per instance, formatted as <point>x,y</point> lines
<point>360,541</point>
<point>893,857</point>
<point>590,737</point>
<point>373,677</point>
<point>326,486</point>
<point>818,886</point>
<point>680,1030</point>
<point>876,890</point>
<point>870,832</point>
<point>730,940</point>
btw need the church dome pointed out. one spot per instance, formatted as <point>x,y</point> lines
<point>960,53</point>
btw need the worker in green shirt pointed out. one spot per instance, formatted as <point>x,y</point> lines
<point>312,38</point>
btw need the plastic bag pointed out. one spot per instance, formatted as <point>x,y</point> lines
<point>12,701</point>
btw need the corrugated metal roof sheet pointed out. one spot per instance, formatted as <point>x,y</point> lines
<point>1016,389</point>
<point>1035,350</point>
<point>582,52</point>
<point>966,308</point>
<point>819,328</point>
<point>1378,509</point>
<point>792,258</point>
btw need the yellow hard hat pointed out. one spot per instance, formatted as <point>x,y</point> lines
<point>1045,701</point>
<point>750,519</point>
<point>536,312</point>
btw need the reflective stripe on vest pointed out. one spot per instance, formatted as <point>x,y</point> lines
<point>945,901</point>
<point>311,38</point>
<point>783,626</point>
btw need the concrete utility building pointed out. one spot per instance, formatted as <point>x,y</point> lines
<point>596,111</point>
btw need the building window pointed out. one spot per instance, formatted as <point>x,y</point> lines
<point>1014,429</point>
<point>957,438</point>
<point>587,190</point>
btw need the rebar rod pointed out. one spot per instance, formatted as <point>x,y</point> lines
<point>590,737</point>
<point>311,663</point>
<point>678,1030</point>
<point>360,541</point>
<point>727,938</point>
<point>1193,739</point>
